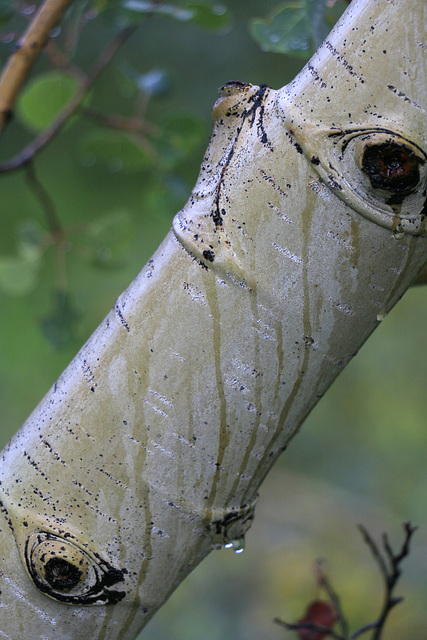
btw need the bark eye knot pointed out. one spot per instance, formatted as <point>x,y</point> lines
<point>61,574</point>
<point>392,166</point>
<point>63,570</point>
<point>377,171</point>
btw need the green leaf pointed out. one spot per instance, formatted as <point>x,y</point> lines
<point>204,14</point>
<point>117,150</point>
<point>296,27</point>
<point>214,17</point>
<point>18,274</point>
<point>31,240</point>
<point>323,15</point>
<point>286,30</point>
<point>6,12</point>
<point>59,326</point>
<point>76,17</point>
<point>100,5</point>
<point>181,135</point>
<point>112,235</point>
<point>184,132</point>
<point>44,98</point>
<point>142,7</point>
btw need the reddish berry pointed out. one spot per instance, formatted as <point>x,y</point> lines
<point>318,612</point>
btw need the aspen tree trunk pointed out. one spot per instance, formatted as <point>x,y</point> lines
<point>306,226</point>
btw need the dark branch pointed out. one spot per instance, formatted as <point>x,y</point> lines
<point>391,575</point>
<point>45,200</point>
<point>375,551</point>
<point>324,582</point>
<point>26,53</point>
<point>29,152</point>
<point>117,121</point>
<point>309,625</point>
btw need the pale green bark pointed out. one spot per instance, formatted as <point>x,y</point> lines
<point>150,449</point>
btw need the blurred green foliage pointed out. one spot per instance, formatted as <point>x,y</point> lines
<point>42,99</point>
<point>102,200</point>
<point>212,16</point>
<point>296,27</point>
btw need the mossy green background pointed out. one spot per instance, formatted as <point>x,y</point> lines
<point>361,455</point>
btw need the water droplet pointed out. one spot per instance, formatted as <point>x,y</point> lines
<point>238,545</point>
<point>88,159</point>
<point>115,165</point>
<point>54,33</point>
<point>274,38</point>
<point>7,38</point>
<point>229,526</point>
<point>397,229</point>
<point>153,83</point>
<point>219,9</point>
<point>28,11</point>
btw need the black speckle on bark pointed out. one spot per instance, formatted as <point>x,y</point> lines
<point>208,254</point>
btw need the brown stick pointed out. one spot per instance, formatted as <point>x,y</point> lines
<point>22,59</point>
<point>391,573</point>
<point>324,582</point>
<point>28,153</point>
<point>310,626</point>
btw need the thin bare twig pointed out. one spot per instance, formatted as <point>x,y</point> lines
<point>309,625</point>
<point>324,582</point>
<point>45,200</point>
<point>117,121</point>
<point>389,564</point>
<point>391,574</point>
<point>28,153</point>
<point>375,551</point>
<point>26,52</point>
<point>57,232</point>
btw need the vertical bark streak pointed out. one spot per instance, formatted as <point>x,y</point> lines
<point>223,436</point>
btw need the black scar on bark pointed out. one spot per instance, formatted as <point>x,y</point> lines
<point>62,575</point>
<point>254,112</point>
<point>393,167</point>
<point>208,254</point>
<point>257,108</point>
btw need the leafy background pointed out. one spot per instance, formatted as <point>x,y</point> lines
<point>361,454</point>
